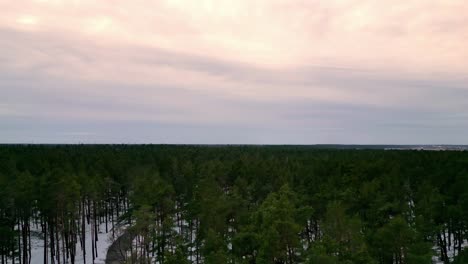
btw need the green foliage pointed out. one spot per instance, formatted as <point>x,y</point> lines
<point>180,256</point>
<point>214,248</point>
<point>318,254</point>
<point>462,258</point>
<point>239,204</point>
<point>277,228</point>
<point>343,235</point>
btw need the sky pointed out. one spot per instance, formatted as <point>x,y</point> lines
<point>234,72</point>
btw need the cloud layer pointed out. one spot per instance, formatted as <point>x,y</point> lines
<point>276,71</point>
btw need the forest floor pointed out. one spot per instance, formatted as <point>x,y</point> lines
<point>451,253</point>
<point>116,253</point>
<point>105,239</point>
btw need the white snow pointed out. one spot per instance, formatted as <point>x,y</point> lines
<point>103,243</point>
<point>450,250</point>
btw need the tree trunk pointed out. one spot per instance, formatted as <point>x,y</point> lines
<point>45,242</point>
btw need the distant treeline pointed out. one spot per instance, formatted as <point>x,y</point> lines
<point>237,204</point>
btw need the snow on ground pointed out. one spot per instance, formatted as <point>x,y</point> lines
<point>106,239</point>
<point>103,243</point>
<point>450,251</point>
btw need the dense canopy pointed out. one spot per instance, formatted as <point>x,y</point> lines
<point>236,204</point>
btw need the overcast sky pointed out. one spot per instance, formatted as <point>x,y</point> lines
<point>235,72</point>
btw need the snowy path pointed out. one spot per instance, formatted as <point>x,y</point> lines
<point>118,249</point>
